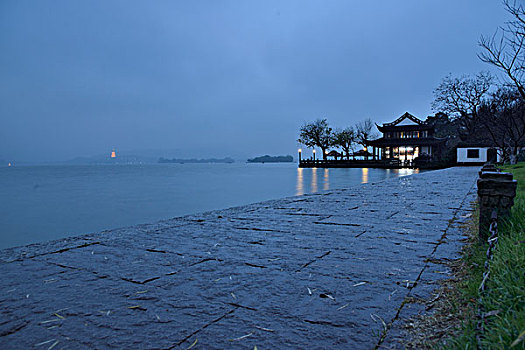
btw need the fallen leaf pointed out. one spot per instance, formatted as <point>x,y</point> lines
<point>192,345</point>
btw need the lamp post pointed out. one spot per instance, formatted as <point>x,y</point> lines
<point>314,154</point>
<point>300,155</point>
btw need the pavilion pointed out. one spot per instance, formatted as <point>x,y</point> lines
<point>407,142</point>
<point>406,139</point>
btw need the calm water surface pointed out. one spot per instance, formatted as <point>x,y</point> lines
<point>40,203</point>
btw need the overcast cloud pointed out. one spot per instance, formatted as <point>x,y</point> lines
<point>220,78</point>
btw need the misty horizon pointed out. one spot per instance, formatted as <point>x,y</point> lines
<point>143,156</point>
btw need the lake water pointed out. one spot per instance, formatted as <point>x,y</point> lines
<point>40,203</point>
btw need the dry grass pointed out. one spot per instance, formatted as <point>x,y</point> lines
<point>450,310</point>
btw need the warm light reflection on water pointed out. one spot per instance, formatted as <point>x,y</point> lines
<point>364,175</point>
<point>405,171</point>
<point>313,187</point>
<point>311,180</point>
<point>311,176</point>
<point>326,180</point>
<point>300,182</point>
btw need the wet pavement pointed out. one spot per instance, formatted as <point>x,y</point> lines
<point>324,271</point>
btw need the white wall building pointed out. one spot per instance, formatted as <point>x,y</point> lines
<point>476,155</point>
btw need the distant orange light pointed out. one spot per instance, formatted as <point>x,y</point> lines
<point>113,154</point>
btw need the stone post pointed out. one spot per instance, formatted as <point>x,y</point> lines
<point>488,167</point>
<point>496,190</point>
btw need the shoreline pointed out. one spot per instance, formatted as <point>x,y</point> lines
<point>90,232</point>
<point>301,266</point>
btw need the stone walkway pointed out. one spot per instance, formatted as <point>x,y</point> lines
<point>322,271</point>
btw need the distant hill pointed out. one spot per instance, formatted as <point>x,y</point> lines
<point>193,160</point>
<point>105,159</point>
<point>271,159</point>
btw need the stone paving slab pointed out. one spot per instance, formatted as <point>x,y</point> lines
<point>316,271</point>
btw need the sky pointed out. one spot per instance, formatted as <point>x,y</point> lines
<point>220,78</point>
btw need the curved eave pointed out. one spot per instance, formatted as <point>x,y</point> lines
<point>408,116</point>
<point>387,128</point>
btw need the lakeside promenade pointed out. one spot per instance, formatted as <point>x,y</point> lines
<point>327,270</point>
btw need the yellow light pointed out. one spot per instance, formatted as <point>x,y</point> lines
<point>113,154</point>
<point>300,150</point>
<point>326,152</point>
<point>300,182</point>
<point>364,149</point>
<point>314,150</point>
<point>364,175</point>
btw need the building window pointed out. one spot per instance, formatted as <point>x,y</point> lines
<point>473,153</point>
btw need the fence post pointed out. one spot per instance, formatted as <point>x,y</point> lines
<point>496,190</point>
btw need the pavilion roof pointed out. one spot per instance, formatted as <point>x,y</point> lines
<point>418,127</point>
<point>362,152</point>
<point>333,153</point>
<point>418,124</point>
<point>403,117</point>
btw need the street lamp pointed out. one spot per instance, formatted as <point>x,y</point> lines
<point>300,155</point>
<point>314,154</point>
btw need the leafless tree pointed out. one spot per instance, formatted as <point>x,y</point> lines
<point>317,134</point>
<point>461,97</point>
<point>346,139</point>
<point>365,131</point>
<point>504,119</point>
<point>505,49</point>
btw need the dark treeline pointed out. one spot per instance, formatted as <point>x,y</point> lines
<point>481,112</point>
<point>320,134</point>
<point>271,159</point>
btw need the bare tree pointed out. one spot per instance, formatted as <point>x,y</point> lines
<point>365,131</point>
<point>504,119</point>
<point>345,138</point>
<point>461,97</point>
<point>506,48</point>
<point>317,134</point>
